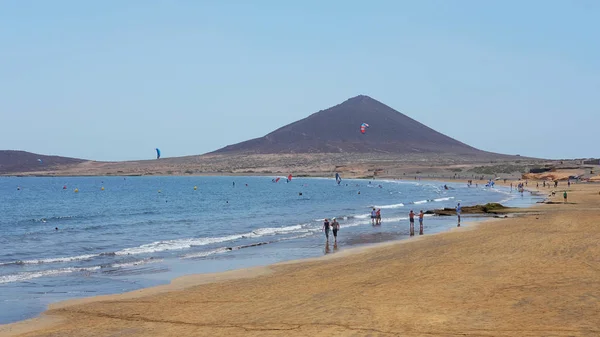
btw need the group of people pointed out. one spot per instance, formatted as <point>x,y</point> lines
<point>411,217</point>
<point>334,225</point>
<point>376,216</point>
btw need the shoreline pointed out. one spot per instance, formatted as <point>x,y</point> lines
<point>531,275</point>
<point>182,283</point>
<point>192,280</point>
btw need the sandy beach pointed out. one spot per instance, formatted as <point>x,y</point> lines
<point>534,274</point>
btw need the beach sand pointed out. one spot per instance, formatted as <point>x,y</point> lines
<point>532,275</point>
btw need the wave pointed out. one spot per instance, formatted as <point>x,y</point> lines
<point>418,202</point>
<point>51,260</point>
<point>390,206</point>
<point>19,277</point>
<point>24,276</point>
<point>443,199</point>
<point>133,264</point>
<point>275,230</point>
<point>229,249</point>
<point>179,244</point>
<point>160,246</point>
<point>208,253</point>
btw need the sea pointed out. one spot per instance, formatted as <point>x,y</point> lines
<point>64,238</point>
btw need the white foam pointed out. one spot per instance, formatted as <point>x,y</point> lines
<point>179,244</point>
<point>394,219</point>
<point>443,199</point>
<point>420,202</point>
<point>362,216</point>
<point>31,275</point>
<point>133,264</point>
<point>161,246</point>
<point>390,206</point>
<point>53,260</point>
<point>275,230</point>
<point>310,231</point>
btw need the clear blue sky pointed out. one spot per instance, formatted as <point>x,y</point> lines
<point>112,80</point>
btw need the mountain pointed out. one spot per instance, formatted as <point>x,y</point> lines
<point>337,130</point>
<point>21,161</point>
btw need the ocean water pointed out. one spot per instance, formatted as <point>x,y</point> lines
<point>120,234</point>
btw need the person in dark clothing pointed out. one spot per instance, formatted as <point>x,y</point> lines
<point>326,228</point>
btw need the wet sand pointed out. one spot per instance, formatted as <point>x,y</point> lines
<point>532,275</point>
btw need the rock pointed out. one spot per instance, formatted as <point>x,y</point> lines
<point>490,208</point>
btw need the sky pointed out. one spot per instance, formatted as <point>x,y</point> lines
<point>112,80</point>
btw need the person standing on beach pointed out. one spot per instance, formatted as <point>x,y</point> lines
<point>335,226</point>
<point>326,229</point>
<point>373,216</point>
<point>378,215</point>
<point>421,215</point>
<point>458,209</point>
<point>565,196</point>
<point>411,217</point>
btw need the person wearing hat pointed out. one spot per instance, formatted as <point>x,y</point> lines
<point>335,226</point>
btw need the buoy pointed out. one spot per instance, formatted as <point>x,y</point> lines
<point>195,188</point>
<point>102,188</point>
<point>76,190</point>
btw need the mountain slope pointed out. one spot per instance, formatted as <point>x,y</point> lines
<point>336,130</point>
<point>21,161</point>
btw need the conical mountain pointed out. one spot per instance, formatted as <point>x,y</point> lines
<point>337,130</point>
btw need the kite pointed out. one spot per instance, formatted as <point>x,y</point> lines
<point>363,128</point>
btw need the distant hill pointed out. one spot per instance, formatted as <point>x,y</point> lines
<point>21,161</point>
<point>337,130</point>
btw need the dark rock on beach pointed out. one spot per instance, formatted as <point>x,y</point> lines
<point>490,208</point>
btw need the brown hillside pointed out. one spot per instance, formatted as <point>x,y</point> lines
<point>336,130</point>
<point>21,161</point>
